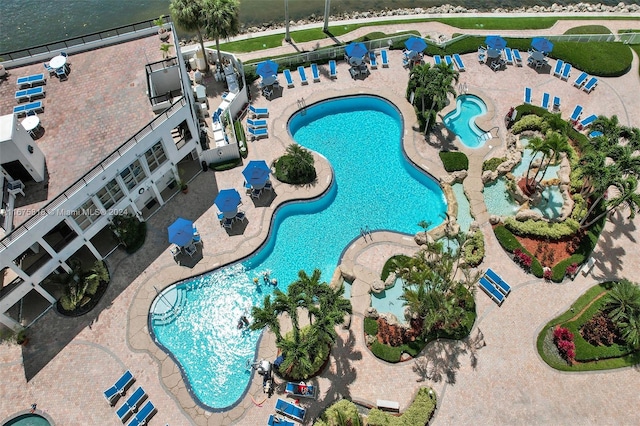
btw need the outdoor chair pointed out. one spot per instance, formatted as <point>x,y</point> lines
<point>498,281</point>
<point>50,70</point>
<point>287,76</point>
<point>586,122</point>
<point>315,73</point>
<point>131,404</point>
<point>556,103</point>
<point>279,421</point>
<point>589,85</point>
<point>373,61</point>
<point>508,54</point>
<point>291,410</point>
<point>241,216</point>
<point>257,133</point>
<point>142,417</point>
<point>175,251</point>
<point>301,390</point>
<point>545,100</point>
<point>268,186</point>
<point>257,124</point>
<point>437,59</point>
<point>491,291</point>
<point>333,72</point>
<point>119,388</point>
<point>517,57</point>
<point>258,112</point>
<point>303,75</point>
<point>267,92</point>
<point>385,58</point>
<point>459,63</point>
<point>558,69</point>
<point>227,223</point>
<point>448,60</point>
<point>26,108</point>
<point>527,95</point>
<point>575,115</point>
<point>580,80</point>
<point>566,71</point>
<point>61,73</point>
<point>190,249</point>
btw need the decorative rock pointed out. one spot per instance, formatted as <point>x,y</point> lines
<point>474,226</point>
<point>524,215</point>
<point>494,220</point>
<point>370,340</point>
<point>405,357</point>
<point>378,286</point>
<point>371,312</point>
<point>346,323</point>
<point>391,279</point>
<point>489,176</point>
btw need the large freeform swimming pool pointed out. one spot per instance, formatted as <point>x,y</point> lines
<point>374,186</point>
<point>461,121</point>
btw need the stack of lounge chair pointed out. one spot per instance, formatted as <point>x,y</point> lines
<point>290,410</point>
<point>132,406</point>
<point>494,286</point>
<point>119,388</point>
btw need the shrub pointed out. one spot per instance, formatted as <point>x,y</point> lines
<point>370,326</point>
<point>506,239</point>
<point>474,249</point>
<point>342,412</point>
<point>563,338</point>
<point>129,230</point>
<point>454,161</point>
<point>530,122</point>
<point>296,167</point>
<point>540,228</point>
<point>599,330</point>
<point>385,352</point>
<point>418,413</point>
<point>523,259</point>
<point>546,274</point>
<point>561,269</point>
<point>391,263</point>
<point>227,165</point>
<point>493,163</point>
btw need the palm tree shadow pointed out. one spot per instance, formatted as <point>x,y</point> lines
<point>441,137</point>
<point>332,37</point>
<point>441,359</point>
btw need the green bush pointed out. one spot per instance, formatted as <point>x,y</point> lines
<point>370,326</point>
<point>129,230</point>
<point>385,352</point>
<point>542,229</point>
<point>506,239</point>
<point>418,414</point>
<point>390,265</point>
<point>493,163</point>
<point>454,161</point>
<point>342,412</point>
<point>474,249</point>
<point>227,165</point>
<point>579,207</point>
<point>559,270</point>
<point>530,122</point>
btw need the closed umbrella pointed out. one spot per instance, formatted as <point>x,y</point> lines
<point>181,232</point>
<point>542,44</point>
<point>267,68</point>
<point>227,200</point>
<point>256,173</point>
<point>495,42</point>
<point>415,44</point>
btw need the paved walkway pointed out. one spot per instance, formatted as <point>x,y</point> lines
<point>495,377</point>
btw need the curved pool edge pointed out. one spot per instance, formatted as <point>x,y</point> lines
<point>36,412</point>
<point>138,336</point>
<point>484,122</point>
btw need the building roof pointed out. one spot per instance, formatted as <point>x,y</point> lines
<point>101,104</point>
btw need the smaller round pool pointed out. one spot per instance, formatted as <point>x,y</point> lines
<point>462,122</point>
<point>28,419</point>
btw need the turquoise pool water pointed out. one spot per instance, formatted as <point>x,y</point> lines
<point>375,186</point>
<point>464,208</point>
<point>462,121</point>
<point>389,301</point>
<point>28,420</point>
<point>498,200</point>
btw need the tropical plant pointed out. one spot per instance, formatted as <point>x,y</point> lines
<point>296,166</point>
<point>555,144</point>
<point>190,16</point>
<point>342,413</point>
<point>221,20</point>
<point>164,47</point>
<point>623,301</point>
<point>78,284</point>
<point>625,196</point>
<point>431,86</point>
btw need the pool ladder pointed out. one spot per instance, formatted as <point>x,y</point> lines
<point>170,315</point>
<point>463,89</point>
<point>302,106</point>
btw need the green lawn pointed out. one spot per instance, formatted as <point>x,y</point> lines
<point>589,29</point>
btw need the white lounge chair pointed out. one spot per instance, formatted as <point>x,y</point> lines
<point>258,112</point>
<point>257,133</point>
<point>556,103</point>
<point>491,290</point>
<point>257,124</point>
<point>437,59</point>
<point>586,122</point>
<point>566,71</point>
<point>517,58</point>
<point>448,60</point>
<point>589,86</point>
<point>575,115</point>
<point>545,100</point>
<point>508,56</point>
<point>527,95</point>
<point>119,388</point>
<point>131,405</point>
<point>498,281</point>
<point>291,410</point>
<point>581,79</point>
<point>372,60</point>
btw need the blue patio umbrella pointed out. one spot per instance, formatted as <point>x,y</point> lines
<point>495,42</point>
<point>356,50</point>
<point>542,44</point>
<point>415,44</point>
<point>256,173</point>
<point>267,68</point>
<point>227,200</point>
<point>181,232</point>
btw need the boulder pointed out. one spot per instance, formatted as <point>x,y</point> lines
<point>494,220</point>
<point>422,238</point>
<point>405,357</point>
<point>524,215</point>
<point>371,312</point>
<point>391,280</point>
<point>378,286</point>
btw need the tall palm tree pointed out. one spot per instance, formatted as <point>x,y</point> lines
<point>439,89</point>
<point>626,159</point>
<point>287,37</point>
<point>221,20</point>
<point>266,316</point>
<point>537,146</point>
<point>308,288</point>
<point>327,8</point>
<point>188,15</point>
<point>623,301</point>
<point>592,166</point>
<point>627,197</point>
<point>555,144</point>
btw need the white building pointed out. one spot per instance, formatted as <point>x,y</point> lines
<point>116,135</point>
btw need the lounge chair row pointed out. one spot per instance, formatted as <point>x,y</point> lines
<point>562,70</point>
<point>546,99</point>
<point>28,94</point>
<point>23,109</point>
<point>291,410</point>
<point>585,122</point>
<point>585,82</point>
<point>495,287</point>
<point>31,80</point>
<point>300,390</point>
<point>451,60</point>
<point>132,406</point>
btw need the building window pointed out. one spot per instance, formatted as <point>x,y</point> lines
<point>181,134</point>
<point>155,156</point>
<point>86,215</point>
<point>110,194</point>
<point>133,175</point>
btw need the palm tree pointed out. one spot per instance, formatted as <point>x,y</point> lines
<point>555,144</point>
<point>626,197</point>
<point>439,89</point>
<point>188,15</point>
<point>536,145</point>
<point>287,37</point>
<point>327,8</point>
<point>623,301</point>
<point>592,166</point>
<point>267,316</point>
<point>300,166</point>
<point>308,288</point>
<point>626,159</point>
<point>221,20</point>
<point>611,131</point>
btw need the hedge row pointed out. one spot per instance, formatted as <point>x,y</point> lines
<point>509,242</point>
<point>454,161</point>
<point>418,414</point>
<point>542,229</point>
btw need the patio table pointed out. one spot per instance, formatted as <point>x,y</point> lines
<point>269,80</point>
<point>355,61</point>
<point>58,62</point>
<point>493,53</point>
<point>30,123</point>
<point>537,56</point>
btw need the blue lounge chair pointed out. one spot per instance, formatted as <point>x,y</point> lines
<point>595,134</point>
<point>587,121</point>
<point>257,133</point>
<point>373,61</point>
<point>575,115</point>
<point>131,404</point>
<point>556,103</point>
<point>258,112</point>
<point>25,108</point>
<point>315,73</point>
<point>30,80</point>
<point>527,95</point>
<point>61,73</point>
<point>142,417</point>
<point>588,87</point>
<point>303,75</point>
<point>29,93</point>
<point>119,388</point>
<point>581,79</point>
<point>491,291</point>
<point>508,55</point>
<point>437,59</point>
<point>566,72</point>
<point>287,76</point>
<point>333,69</point>
<point>458,60</point>
<point>385,58</point>
<point>558,69</point>
<point>256,124</point>
<point>301,390</point>
<point>545,100</point>
<point>498,281</point>
<point>291,410</point>
<point>279,421</point>
<point>517,57</point>
<point>448,60</point>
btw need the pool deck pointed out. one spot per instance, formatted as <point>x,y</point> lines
<point>494,377</point>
